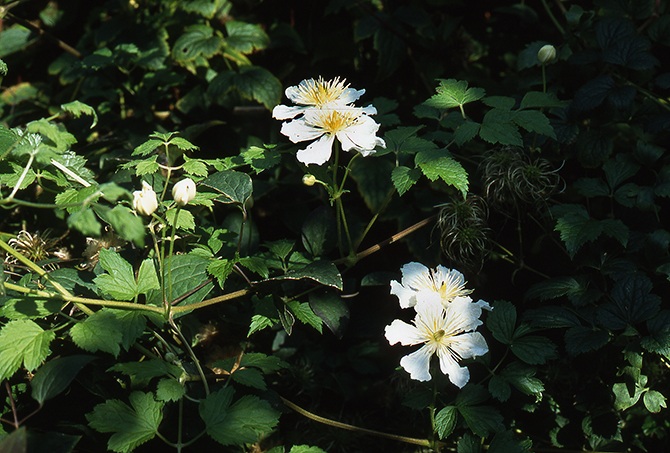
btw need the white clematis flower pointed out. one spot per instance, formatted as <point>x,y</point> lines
<point>420,282</point>
<point>445,330</point>
<point>145,201</point>
<point>316,93</point>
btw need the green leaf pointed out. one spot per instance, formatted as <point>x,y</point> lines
<point>593,147</point>
<point>500,388</point>
<point>319,232</point>
<point>245,37</point>
<point>550,317</point>
<point>498,126</point>
<point>404,140</point>
<point>619,169</point>
<point>439,163</point>
<point>592,187</point>
<point>221,269</point>
<point>102,331</point>
<point>250,377</point>
<point>30,308</point>
<point>654,401</point>
<point>445,421</point>
<point>22,342</point>
<point>482,420</point>
<point>580,339</point>
<point>258,84</point>
<point>78,109</point>
<point>169,390</point>
<point>147,278</point>
<point>148,369</point>
<point>198,39</point>
<point>195,166</point>
<point>534,121</point>
<point>234,186</point>
<point>534,349</point>
<point>126,224</point>
<point>404,178</point>
<point>132,322</point>
<point>504,442</point>
<point>185,219</point>
<point>469,444</point>
<point>332,309</point>
<point>55,376</point>
<point>373,181</point>
<point>499,102</point>
<point>658,340</point>
<point>146,166</point>
<point>501,321</point>
<point>538,99</point>
<point>623,399</point>
<point>578,290</point>
<point>577,228</point>
<point>189,272</point>
<point>632,303</point>
<point>522,377</point>
<point>454,93</point>
<point>132,426</point>
<point>305,314</point>
<point>239,423</point>
<point>261,159</point>
<point>418,398</point>
<point>321,271</point>
<point>119,282</point>
<point>466,132</point>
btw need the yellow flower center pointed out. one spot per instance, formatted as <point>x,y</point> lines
<point>437,336</point>
<point>333,121</point>
<point>319,92</point>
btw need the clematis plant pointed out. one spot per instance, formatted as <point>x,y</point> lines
<point>326,112</point>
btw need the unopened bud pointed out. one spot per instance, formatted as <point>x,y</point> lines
<point>145,201</point>
<point>546,54</point>
<point>309,180</point>
<point>183,192</point>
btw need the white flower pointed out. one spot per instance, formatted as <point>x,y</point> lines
<point>184,191</point>
<point>445,330</point>
<point>316,93</point>
<point>145,201</point>
<point>546,54</point>
<point>420,282</point>
<point>350,125</point>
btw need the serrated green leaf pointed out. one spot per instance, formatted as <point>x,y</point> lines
<point>577,228</point>
<point>538,99</point>
<point>592,187</point>
<point>332,309</point>
<point>189,272</point>
<point>146,166</point>
<point>77,109</point>
<point>504,442</point>
<point>119,282</point>
<point>242,422</point>
<point>534,121</point>
<point>658,340</point>
<point>319,232</point>
<point>500,388</point>
<point>234,186</point>
<point>195,167</point>
<point>439,163</point>
<point>578,290</point>
<point>185,219</point>
<point>445,421</point>
<point>522,377</point>
<point>22,342</point>
<point>321,271</point>
<point>482,420</point>
<point>30,307</point>
<point>102,331</point>
<point>499,102</point>
<point>132,322</point>
<point>267,364</point>
<point>132,426</point>
<point>404,140</point>
<point>654,401</point>
<point>618,169</point>
<point>623,398</point>
<point>250,377</point>
<point>305,314</point>
<point>534,349</point>
<point>258,84</point>
<point>197,39</point>
<point>593,147</point>
<point>169,390</point>
<point>466,132</point>
<point>147,278</point>
<point>580,339</point>
<point>501,321</point>
<point>469,443</point>
<point>404,178</point>
<point>498,126</point>
<point>147,369</point>
<point>126,224</point>
<point>221,269</point>
<point>632,303</point>
<point>454,93</point>
<point>551,317</point>
<point>373,181</point>
<point>55,376</point>
<point>245,37</point>
<point>418,398</point>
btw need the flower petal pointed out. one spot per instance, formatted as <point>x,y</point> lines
<point>417,364</point>
<point>403,333</point>
<point>284,112</point>
<point>406,296</point>
<point>360,136</point>
<point>464,314</point>
<point>458,375</point>
<point>469,345</point>
<point>318,152</point>
<point>299,131</point>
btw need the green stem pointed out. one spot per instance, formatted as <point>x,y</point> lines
<point>196,362</point>
<point>329,422</point>
<point>22,177</point>
<point>372,221</point>
<point>212,301</point>
<point>553,18</point>
<point>168,303</point>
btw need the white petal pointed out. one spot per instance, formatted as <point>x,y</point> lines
<point>318,152</point>
<point>350,95</point>
<point>417,364</point>
<point>416,276</point>
<point>299,131</point>
<point>360,136</point>
<point>458,375</point>
<point>464,314</point>
<point>469,345</point>
<point>403,333</point>
<point>484,305</point>
<point>405,295</point>
<point>284,112</point>
<point>369,110</point>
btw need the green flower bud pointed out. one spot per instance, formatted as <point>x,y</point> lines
<point>309,180</point>
<point>546,54</point>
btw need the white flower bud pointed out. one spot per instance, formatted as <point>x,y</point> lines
<point>546,54</point>
<point>145,201</point>
<point>183,192</point>
<point>309,180</point>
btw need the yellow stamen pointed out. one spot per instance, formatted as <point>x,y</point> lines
<point>319,92</point>
<point>333,121</point>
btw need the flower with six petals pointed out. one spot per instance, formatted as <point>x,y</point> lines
<point>418,281</point>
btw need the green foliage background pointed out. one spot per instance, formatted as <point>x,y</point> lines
<point>549,185</point>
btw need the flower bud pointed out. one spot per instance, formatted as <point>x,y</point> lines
<point>546,54</point>
<point>309,180</point>
<point>183,192</point>
<point>145,201</point>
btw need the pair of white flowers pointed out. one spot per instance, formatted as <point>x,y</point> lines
<point>145,201</point>
<point>325,111</point>
<point>446,318</point>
